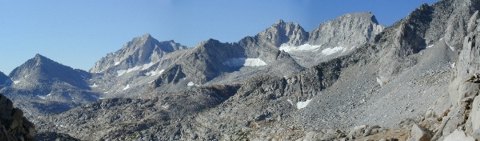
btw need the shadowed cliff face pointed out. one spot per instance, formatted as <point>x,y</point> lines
<point>4,80</point>
<point>13,125</point>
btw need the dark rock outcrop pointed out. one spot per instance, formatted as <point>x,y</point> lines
<point>13,125</point>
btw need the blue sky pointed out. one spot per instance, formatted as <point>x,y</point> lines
<point>77,33</point>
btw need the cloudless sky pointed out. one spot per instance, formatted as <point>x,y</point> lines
<point>77,33</point>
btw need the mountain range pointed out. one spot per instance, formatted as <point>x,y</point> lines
<point>349,79</point>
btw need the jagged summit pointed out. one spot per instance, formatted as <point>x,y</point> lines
<point>141,50</point>
<point>283,32</point>
<point>38,58</point>
<point>347,30</point>
<point>146,35</point>
<point>362,15</point>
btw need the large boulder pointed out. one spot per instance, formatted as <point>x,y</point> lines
<point>419,134</point>
<point>458,135</point>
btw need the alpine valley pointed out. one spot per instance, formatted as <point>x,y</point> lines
<point>349,79</point>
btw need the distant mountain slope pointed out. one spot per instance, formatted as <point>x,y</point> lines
<point>42,70</point>
<point>141,50</point>
<point>400,83</point>
<point>4,80</point>
<point>44,86</point>
<point>210,62</point>
<point>335,38</point>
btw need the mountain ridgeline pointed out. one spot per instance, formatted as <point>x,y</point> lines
<point>348,79</point>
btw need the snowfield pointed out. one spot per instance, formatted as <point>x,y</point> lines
<point>330,51</point>
<point>304,47</point>
<point>245,62</point>
<point>303,104</point>
<point>153,73</point>
<point>190,84</point>
<point>136,68</point>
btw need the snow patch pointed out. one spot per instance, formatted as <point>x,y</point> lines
<point>254,62</point>
<point>166,106</point>
<point>126,87</point>
<point>136,68</point>
<point>153,73</point>
<point>290,101</point>
<point>303,104</point>
<point>304,47</point>
<point>330,51</point>
<point>94,85</point>
<point>452,65</point>
<point>41,97</point>
<point>190,84</point>
<point>429,46</point>
<point>16,82</point>
<point>242,62</point>
<point>379,81</point>
<point>451,47</point>
<point>117,63</point>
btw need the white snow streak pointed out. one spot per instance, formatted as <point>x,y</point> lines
<point>136,68</point>
<point>117,63</point>
<point>379,81</point>
<point>254,62</point>
<point>304,47</point>
<point>330,51</point>
<point>451,47</point>
<point>16,82</point>
<point>126,87</point>
<point>290,101</point>
<point>303,104</point>
<point>41,97</point>
<point>153,73</point>
<point>190,84</point>
<point>250,62</point>
<point>94,85</point>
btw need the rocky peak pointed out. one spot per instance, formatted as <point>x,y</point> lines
<point>141,50</point>
<point>347,30</point>
<point>283,32</point>
<point>444,22</point>
<point>39,59</point>
<point>41,69</point>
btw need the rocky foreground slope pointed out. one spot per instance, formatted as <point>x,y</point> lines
<point>349,79</point>
<point>13,125</point>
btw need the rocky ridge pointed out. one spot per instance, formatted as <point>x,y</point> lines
<point>43,86</point>
<point>141,50</point>
<point>411,81</point>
